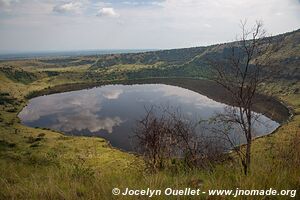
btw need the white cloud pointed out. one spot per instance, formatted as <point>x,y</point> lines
<point>107,12</point>
<point>189,97</point>
<point>112,94</point>
<point>74,111</point>
<point>87,121</point>
<point>29,25</point>
<point>5,3</point>
<point>143,3</point>
<point>71,7</point>
<point>39,107</point>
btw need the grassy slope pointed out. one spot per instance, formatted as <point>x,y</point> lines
<point>42,164</point>
<point>192,62</point>
<point>34,160</point>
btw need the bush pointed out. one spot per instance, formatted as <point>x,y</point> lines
<point>168,140</point>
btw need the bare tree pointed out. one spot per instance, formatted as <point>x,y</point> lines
<point>167,135</point>
<point>154,139</point>
<point>240,72</point>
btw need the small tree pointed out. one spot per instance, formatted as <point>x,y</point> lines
<point>167,135</point>
<point>239,72</point>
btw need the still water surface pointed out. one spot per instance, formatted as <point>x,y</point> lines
<point>112,111</point>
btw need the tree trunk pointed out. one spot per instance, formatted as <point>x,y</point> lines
<point>248,156</point>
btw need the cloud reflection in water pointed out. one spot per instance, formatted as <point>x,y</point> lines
<point>111,111</point>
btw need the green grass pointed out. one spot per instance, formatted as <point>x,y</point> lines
<point>43,164</point>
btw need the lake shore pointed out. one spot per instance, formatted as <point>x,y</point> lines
<point>269,106</point>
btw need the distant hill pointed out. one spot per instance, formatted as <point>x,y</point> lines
<point>191,61</point>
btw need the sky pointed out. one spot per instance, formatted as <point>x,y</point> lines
<point>64,25</point>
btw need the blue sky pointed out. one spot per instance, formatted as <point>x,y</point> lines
<point>32,25</point>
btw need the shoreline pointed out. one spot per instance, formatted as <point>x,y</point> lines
<point>169,81</point>
<point>268,106</point>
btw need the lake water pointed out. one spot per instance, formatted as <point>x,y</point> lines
<point>111,111</point>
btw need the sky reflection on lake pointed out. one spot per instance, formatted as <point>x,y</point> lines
<point>111,111</point>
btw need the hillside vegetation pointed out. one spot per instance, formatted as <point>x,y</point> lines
<point>42,164</point>
<point>192,61</point>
